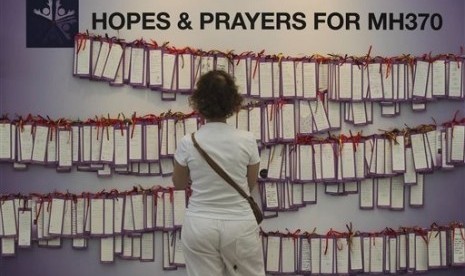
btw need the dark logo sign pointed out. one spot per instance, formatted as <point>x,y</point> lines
<point>51,23</point>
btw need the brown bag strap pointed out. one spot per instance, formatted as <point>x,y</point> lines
<point>218,169</point>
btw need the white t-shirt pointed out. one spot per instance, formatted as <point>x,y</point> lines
<point>233,150</point>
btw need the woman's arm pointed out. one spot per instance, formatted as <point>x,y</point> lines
<point>180,176</point>
<point>252,175</point>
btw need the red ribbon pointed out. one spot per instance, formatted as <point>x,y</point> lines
<point>333,235</point>
<point>258,57</point>
<point>304,139</point>
<point>81,39</point>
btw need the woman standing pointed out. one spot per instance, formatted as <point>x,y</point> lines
<point>220,234</point>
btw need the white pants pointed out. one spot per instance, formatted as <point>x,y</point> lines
<point>222,247</point>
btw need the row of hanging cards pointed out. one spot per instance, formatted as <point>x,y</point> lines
<point>142,248</point>
<point>389,251</point>
<point>140,64</point>
<point>350,158</point>
<point>48,217</point>
<point>385,193</point>
<point>281,121</point>
<point>141,146</point>
<point>171,70</point>
<point>413,250</point>
<point>149,139</point>
<point>286,196</point>
<point>393,81</point>
<point>128,247</point>
<point>145,147</point>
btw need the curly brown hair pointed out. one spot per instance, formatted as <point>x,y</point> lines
<point>216,95</point>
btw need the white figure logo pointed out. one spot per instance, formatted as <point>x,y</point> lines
<point>60,17</point>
